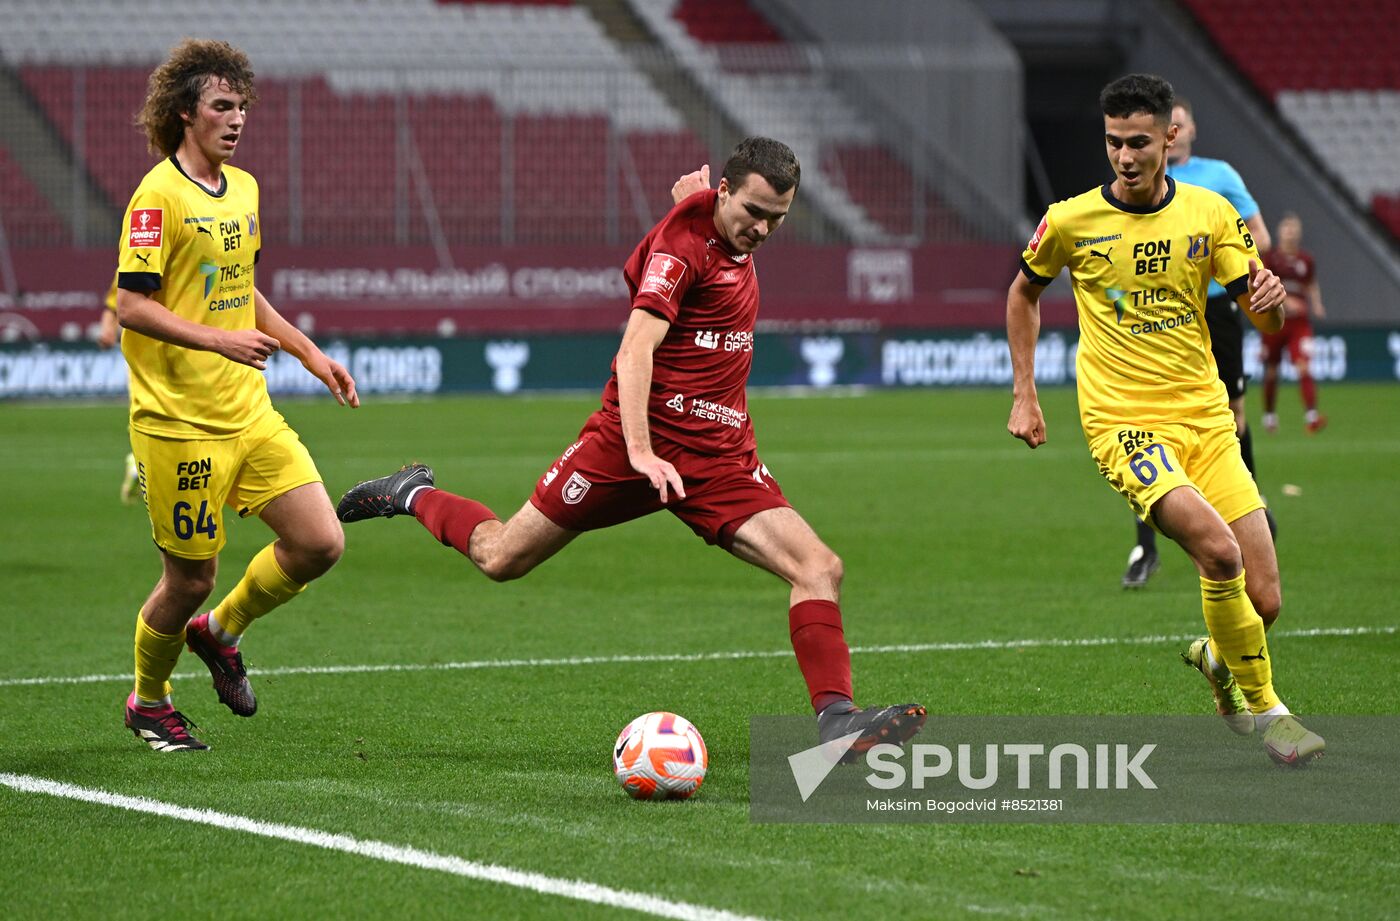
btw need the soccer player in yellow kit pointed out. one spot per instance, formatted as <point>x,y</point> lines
<point>1141,253</point>
<point>203,430</point>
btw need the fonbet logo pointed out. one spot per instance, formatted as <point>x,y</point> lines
<point>145,228</point>
<point>1033,244</point>
<point>663,273</point>
<point>1101,766</point>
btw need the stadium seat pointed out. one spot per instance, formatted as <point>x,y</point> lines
<point>368,73</point>
<point>26,216</point>
<point>1332,71</point>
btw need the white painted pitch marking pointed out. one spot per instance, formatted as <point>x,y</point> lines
<point>576,889</point>
<point>574,661</point>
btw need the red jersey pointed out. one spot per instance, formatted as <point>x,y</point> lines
<point>1295,270</point>
<point>685,272</point>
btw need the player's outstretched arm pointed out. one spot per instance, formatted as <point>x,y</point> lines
<point>141,314</point>
<point>634,363</point>
<point>1027,422</point>
<point>690,183</point>
<point>1263,303</point>
<point>325,369</point>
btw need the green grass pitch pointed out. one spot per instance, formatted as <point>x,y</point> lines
<point>950,531</point>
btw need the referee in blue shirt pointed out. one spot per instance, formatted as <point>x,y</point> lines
<point>1222,314</point>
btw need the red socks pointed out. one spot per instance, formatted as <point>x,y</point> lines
<point>450,518</point>
<point>1308,388</point>
<point>822,653</point>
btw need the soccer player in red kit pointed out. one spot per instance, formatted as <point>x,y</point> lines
<point>1294,265</point>
<point>674,433</point>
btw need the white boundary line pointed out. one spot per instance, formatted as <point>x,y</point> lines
<point>704,656</point>
<point>578,890</point>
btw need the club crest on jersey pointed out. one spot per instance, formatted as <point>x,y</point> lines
<point>1199,248</point>
<point>145,228</point>
<point>663,273</point>
<point>575,488</point>
<point>1036,237</point>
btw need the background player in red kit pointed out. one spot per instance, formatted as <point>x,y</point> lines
<point>674,433</point>
<point>1294,265</point>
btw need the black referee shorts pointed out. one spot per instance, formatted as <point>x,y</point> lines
<point>1227,342</point>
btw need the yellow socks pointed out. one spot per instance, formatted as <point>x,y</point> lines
<point>263,587</point>
<point>156,654</point>
<point>1237,639</point>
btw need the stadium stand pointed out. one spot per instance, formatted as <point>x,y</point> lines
<point>1332,72</point>
<point>724,21</point>
<point>28,217</point>
<point>856,181</point>
<point>331,111</point>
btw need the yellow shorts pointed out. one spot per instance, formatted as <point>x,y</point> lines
<point>187,483</point>
<point>1145,462</point>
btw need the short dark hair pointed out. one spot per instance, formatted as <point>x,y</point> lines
<point>1136,94</point>
<point>1184,103</point>
<point>773,160</point>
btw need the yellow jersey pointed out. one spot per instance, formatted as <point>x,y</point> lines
<point>192,250</point>
<point>1140,276</point>
<point>110,301</point>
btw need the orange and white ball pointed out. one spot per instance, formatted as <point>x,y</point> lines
<point>660,756</point>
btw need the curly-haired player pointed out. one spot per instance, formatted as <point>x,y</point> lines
<point>203,431</point>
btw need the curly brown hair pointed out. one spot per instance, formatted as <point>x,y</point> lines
<point>174,87</point>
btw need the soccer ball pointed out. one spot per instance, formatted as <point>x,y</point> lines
<point>660,756</point>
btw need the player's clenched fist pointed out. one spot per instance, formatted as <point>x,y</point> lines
<point>1027,422</point>
<point>1266,289</point>
<point>691,183</point>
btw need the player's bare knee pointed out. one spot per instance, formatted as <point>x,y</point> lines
<point>507,571</point>
<point>500,567</point>
<point>329,547</point>
<point>190,589</point>
<point>1219,557</point>
<point>312,555</point>
<point>835,569</point>
<point>821,572</point>
<point>1267,601</point>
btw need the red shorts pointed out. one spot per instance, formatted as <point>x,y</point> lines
<point>1296,336</point>
<point>592,485</point>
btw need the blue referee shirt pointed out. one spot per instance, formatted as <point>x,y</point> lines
<point>1220,177</point>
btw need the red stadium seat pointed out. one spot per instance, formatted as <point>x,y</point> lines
<point>725,21</point>
<point>26,216</point>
